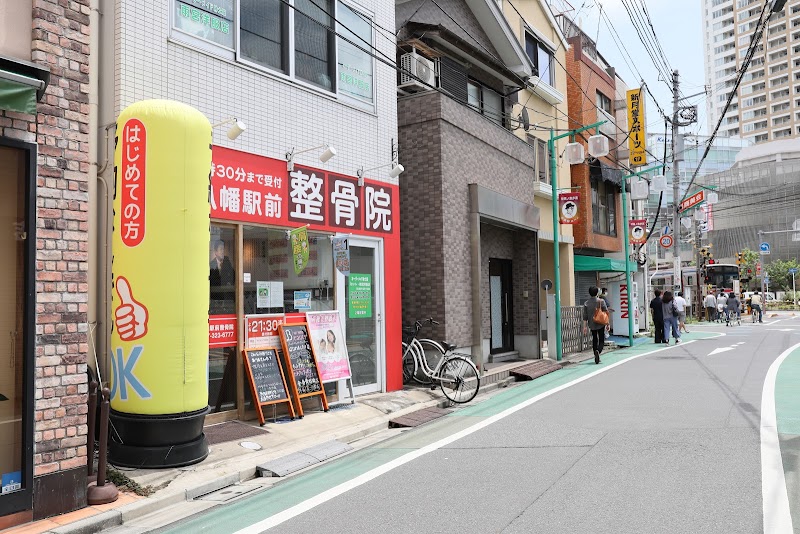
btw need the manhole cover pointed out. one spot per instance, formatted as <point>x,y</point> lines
<point>226,494</point>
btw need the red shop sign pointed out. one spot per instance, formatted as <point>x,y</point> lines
<point>134,143</point>
<point>250,188</point>
<point>222,331</point>
<point>262,330</point>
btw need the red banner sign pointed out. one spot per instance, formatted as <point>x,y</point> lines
<point>134,143</point>
<point>262,330</point>
<point>693,200</point>
<point>250,188</point>
<point>222,331</point>
<point>568,207</point>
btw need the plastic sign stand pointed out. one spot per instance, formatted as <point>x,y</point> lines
<point>159,340</point>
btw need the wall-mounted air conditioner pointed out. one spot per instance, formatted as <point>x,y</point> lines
<point>421,67</point>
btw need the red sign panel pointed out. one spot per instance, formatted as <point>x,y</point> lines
<point>134,143</point>
<point>250,188</point>
<point>262,330</point>
<point>222,331</point>
<point>693,200</point>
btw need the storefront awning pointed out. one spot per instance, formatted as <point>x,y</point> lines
<point>22,84</point>
<point>598,263</point>
<point>601,171</point>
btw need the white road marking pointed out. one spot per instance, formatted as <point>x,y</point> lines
<point>781,329</point>
<point>344,487</point>
<point>720,350</point>
<point>777,516</point>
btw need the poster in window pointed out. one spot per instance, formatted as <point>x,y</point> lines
<point>568,207</point>
<point>209,20</point>
<point>325,329</point>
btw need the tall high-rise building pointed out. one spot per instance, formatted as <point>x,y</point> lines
<point>767,106</point>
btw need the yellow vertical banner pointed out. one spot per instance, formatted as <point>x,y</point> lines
<point>636,128</point>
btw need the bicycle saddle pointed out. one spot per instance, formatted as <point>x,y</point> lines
<point>447,346</point>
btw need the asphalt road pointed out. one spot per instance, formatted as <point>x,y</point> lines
<point>665,441</point>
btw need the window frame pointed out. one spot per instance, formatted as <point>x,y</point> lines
<point>600,101</point>
<point>181,37</point>
<point>604,207</point>
<point>481,108</point>
<point>540,46</point>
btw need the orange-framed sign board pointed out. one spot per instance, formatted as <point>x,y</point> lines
<point>267,380</point>
<point>302,366</point>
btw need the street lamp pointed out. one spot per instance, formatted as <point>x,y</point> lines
<point>573,159</point>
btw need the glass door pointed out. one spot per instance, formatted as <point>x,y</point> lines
<point>16,432</point>
<point>360,297</point>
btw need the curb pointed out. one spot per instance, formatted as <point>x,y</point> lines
<point>143,507</point>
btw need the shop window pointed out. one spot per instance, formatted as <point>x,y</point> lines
<point>314,44</point>
<point>263,33</point>
<point>222,309</point>
<point>267,264</point>
<point>604,208</point>
<point>355,65</point>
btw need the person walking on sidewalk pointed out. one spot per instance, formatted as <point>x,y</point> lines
<point>590,307</point>
<point>680,305</point>
<point>658,316</point>
<point>710,304</point>
<point>670,317</point>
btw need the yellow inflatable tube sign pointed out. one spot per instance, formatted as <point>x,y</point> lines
<point>159,341</point>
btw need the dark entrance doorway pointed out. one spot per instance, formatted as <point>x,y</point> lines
<point>501,306</point>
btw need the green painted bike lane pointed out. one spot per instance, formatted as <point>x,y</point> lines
<point>787,417</point>
<point>294,490</point>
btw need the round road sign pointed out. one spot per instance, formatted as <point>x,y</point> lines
<point>666,241</point>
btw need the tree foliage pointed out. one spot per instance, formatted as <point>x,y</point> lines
<point>779,277</point>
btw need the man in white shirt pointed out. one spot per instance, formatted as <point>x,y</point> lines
<point>710,304</point>
<point>680,305</point>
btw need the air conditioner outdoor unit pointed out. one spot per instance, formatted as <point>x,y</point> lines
<point>422,68</point>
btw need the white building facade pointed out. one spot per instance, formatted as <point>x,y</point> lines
<point>767,106</point>
<point>299,74</point>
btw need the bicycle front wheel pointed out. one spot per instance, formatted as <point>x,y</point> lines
<point>459,379</point>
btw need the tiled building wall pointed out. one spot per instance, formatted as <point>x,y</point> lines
<point>525,280</point>
<point>474,150</point>
<point>421,220</point>
<point>279,113</point>
<point>462,147</point>
<point>60,42</point>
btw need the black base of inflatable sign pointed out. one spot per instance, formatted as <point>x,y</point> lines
<point>156,441</point>
<point>158,457</point>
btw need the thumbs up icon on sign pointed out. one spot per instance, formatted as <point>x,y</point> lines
<point>130,317</point>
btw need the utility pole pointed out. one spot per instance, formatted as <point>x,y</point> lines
<point>676,179</point>
<point>698,260</point>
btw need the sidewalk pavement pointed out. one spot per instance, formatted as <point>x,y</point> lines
<point>231,463</point>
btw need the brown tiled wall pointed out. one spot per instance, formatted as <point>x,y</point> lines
<point>60,41</point>
<point>525,277</point>
<point>421,221</point>
<point>447,147</point>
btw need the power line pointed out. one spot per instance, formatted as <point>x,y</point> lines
<point>745,64</point>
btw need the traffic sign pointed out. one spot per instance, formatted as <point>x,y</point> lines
<point>792,271</point>
<point>693,200</point>
<point>764,248</point>
<point>666,240</point>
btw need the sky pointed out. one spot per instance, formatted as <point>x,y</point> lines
<point>678,26</point>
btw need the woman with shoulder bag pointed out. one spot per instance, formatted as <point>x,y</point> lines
<point>670,317</point>
<point>595,316</point>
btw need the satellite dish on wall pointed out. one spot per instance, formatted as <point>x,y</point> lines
<point>523,120</point>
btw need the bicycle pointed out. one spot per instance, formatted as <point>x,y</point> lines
<point>457,376</point>
<point>431,350</point>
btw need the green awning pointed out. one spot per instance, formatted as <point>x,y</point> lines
<point>17,97</point>
<point>598,263</point>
